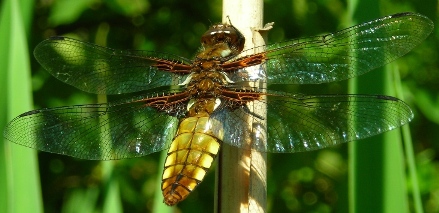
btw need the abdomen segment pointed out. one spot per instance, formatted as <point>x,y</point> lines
<point>190,156</point>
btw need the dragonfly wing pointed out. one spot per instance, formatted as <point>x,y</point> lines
<point>297,123</point>
<point>337,56</point>
<point>96,131</point>
<point>102,70</point>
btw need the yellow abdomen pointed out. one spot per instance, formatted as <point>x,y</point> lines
<point>190,156</point>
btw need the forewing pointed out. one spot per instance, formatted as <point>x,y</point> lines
<point>297,123</point>
<point>95,131</point>
<point>340,55</point>
<point>102,70</point>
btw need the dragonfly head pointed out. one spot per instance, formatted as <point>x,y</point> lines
<point>224,34</point>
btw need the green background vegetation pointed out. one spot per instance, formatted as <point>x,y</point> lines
<point>303,182</point>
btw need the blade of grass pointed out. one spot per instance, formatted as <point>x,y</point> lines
<point>376,164</point>
<point>366,156</point>
<point>23,185</point>
<point>409,152</point>
<point>395,190</point>
<point>4,49</point>
<point>112,200</point>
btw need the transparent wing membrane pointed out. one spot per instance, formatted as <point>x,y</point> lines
<point>297,123</point>
<point>102,70</point>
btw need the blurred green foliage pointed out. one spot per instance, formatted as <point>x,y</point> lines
<point>303,182</point>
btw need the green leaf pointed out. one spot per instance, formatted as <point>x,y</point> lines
<point>23,193</point>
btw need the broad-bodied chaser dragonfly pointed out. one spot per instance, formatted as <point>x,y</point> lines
<point>190,107</point>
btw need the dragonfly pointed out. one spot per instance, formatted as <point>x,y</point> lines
<point>192,107</point>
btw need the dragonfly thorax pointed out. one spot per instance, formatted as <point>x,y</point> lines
<point>207,84</point>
